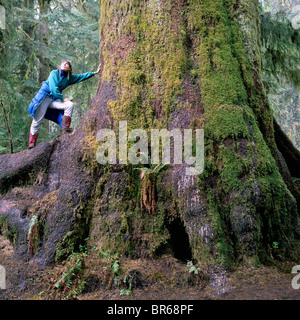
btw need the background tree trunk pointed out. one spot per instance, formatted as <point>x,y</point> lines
<point>29,31</point>
<point>166,64</point>
<point>43,36</point>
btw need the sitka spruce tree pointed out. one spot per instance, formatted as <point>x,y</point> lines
<point>172,64</point>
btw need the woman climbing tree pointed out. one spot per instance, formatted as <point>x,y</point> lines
<point>49,102</point>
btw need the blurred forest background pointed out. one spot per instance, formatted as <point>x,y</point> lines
<point>37,34</point>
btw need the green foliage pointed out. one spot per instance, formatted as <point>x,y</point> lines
<point>72,281</point>
<point>113,261</point>
<point>14,94</point>
<point>154,169</point>
<point>281,61</point>
<point>280,49</point>
<point>192,268</point>
<point>275,245</point>
<point>10,232</point>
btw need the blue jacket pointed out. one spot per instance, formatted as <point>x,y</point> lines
<point>58,80</point>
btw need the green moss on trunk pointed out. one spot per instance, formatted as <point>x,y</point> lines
<point>238,131</point>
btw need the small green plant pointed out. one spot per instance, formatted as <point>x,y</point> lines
<point>113,264</point>
<point>153,168</point>
<point>186,279</point>
<point>148,184</point>
<point>72,282</point>
<point>275,245</point>
<point>126,292</point>
<point>115,267</point>
<point>157,246</point>
<point>192,268</point>
<point>127,280</point>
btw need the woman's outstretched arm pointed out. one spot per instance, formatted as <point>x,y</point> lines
<point>76,78</point>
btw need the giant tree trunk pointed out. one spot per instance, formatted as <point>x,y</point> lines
<point>165,64</point>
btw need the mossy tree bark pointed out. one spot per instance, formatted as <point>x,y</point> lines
<point>167,64</point>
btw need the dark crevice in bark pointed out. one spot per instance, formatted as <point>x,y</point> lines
<point>179,241</point>
<point>290,153</point>
<point>288,161</point>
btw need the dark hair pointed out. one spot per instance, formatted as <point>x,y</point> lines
<point>69,63</point>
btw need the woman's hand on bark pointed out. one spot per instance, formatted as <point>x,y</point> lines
<point>98,70</point>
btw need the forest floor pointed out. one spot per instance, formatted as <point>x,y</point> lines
<point>165,278</point>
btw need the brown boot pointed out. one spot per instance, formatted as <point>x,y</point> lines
<point>32,140</point>
<point>66,125</point>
